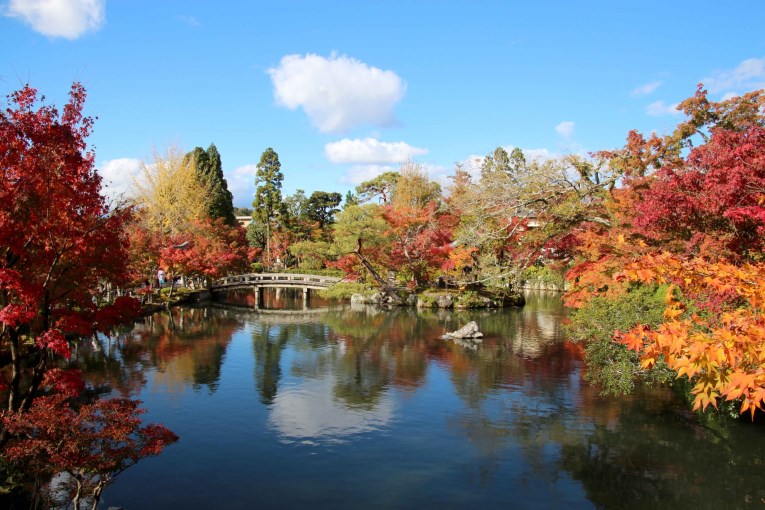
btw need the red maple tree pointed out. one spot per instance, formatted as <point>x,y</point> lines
<point>59,242</point>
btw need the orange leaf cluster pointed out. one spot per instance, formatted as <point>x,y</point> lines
<point>723,353</point>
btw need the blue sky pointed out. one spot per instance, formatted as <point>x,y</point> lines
<point>345,90</point>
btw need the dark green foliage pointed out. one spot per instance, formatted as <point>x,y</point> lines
<point>610,364</point>
<point>542,276</point>
<point>321,207</point>
<point>219,203</point>
<point>242,211</point>
<point>256,234</point>
<point>350,199</point>
<point>268,204</point>
<point>296,205</point>
<point>345,290</point>
<point>383,185</point>
<point>517,160</point>
<point>497,161</point>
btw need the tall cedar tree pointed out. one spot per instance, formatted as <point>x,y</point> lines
<point>219,200</point>
<point>268,204</point>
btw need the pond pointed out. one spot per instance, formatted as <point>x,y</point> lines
<point>358,407</point>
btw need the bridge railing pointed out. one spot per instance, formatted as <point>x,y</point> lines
<point>275,278</point>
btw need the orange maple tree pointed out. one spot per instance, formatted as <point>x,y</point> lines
<point>723,352</point>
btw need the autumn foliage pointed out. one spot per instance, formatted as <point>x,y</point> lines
<point>92,444</point>
<point>60,242</point>
<point>58,238</point>
<point>695,225</point>
<point>722,352</point>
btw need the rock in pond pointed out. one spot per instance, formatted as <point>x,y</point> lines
<point>469,330</point>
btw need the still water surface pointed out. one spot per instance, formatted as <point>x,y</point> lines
<point>368,408</point>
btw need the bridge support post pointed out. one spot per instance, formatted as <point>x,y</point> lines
<point>306,295</point>
<point>258,297</point>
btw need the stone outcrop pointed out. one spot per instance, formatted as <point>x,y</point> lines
<point>468,331</point>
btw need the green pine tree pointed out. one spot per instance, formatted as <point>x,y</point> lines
<point>219,201</point>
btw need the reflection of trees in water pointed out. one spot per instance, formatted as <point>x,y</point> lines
<point>648,451</point>
<point>268,344</point>
<point>185,345</point>
<point>392,347</point>
<point>270,335</point>
<point>362,376</point>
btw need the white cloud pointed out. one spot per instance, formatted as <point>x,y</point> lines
<point>118,176</point>
<point>241,184</point>
<point>729,95</point>
<point>370,150</point>
<point>360,173</point>
<point>646,88</point>
<point>59,18</point>
<point>438,173</point>
<point>309,414</point>
<point>660,109</point>
<point>565,128</point>
<point>749,75</point>
<point>337,93</point>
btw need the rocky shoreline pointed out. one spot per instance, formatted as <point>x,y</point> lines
<point>442,300</point>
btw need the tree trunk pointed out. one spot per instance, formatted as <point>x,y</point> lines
<point>383,284</point>
<point>268,240</point>
<point>76,499</point>
<point>37,377</point>
<point>97,494</point>
<point>13,394</point>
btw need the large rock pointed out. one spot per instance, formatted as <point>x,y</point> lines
<point>469,330</point>
<point>373,299</point>
<point>444,301</point>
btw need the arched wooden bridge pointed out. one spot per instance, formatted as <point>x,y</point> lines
<point>259,281</point>
<point>278,280</point>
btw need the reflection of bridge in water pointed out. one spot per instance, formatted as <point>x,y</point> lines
<point>260,281</point>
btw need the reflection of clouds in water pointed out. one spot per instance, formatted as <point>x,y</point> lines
<point>310,414</point>
<point>535,332</point>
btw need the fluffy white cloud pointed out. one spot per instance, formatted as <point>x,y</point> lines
<point>241,184</point>
<point>309,414</point>
<point>646,88</point>
<point>748,75</point>
<point>360,173</point>
<point>565,128</point>
<point>337,93</point>
<point>118,176</point>
<point>59,18</point>
<point>370,150</point>
<point>660,109</point>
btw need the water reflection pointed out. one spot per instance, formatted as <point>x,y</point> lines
<point>508,423</point>
<point>185,346</point>
<point>309,414</point>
